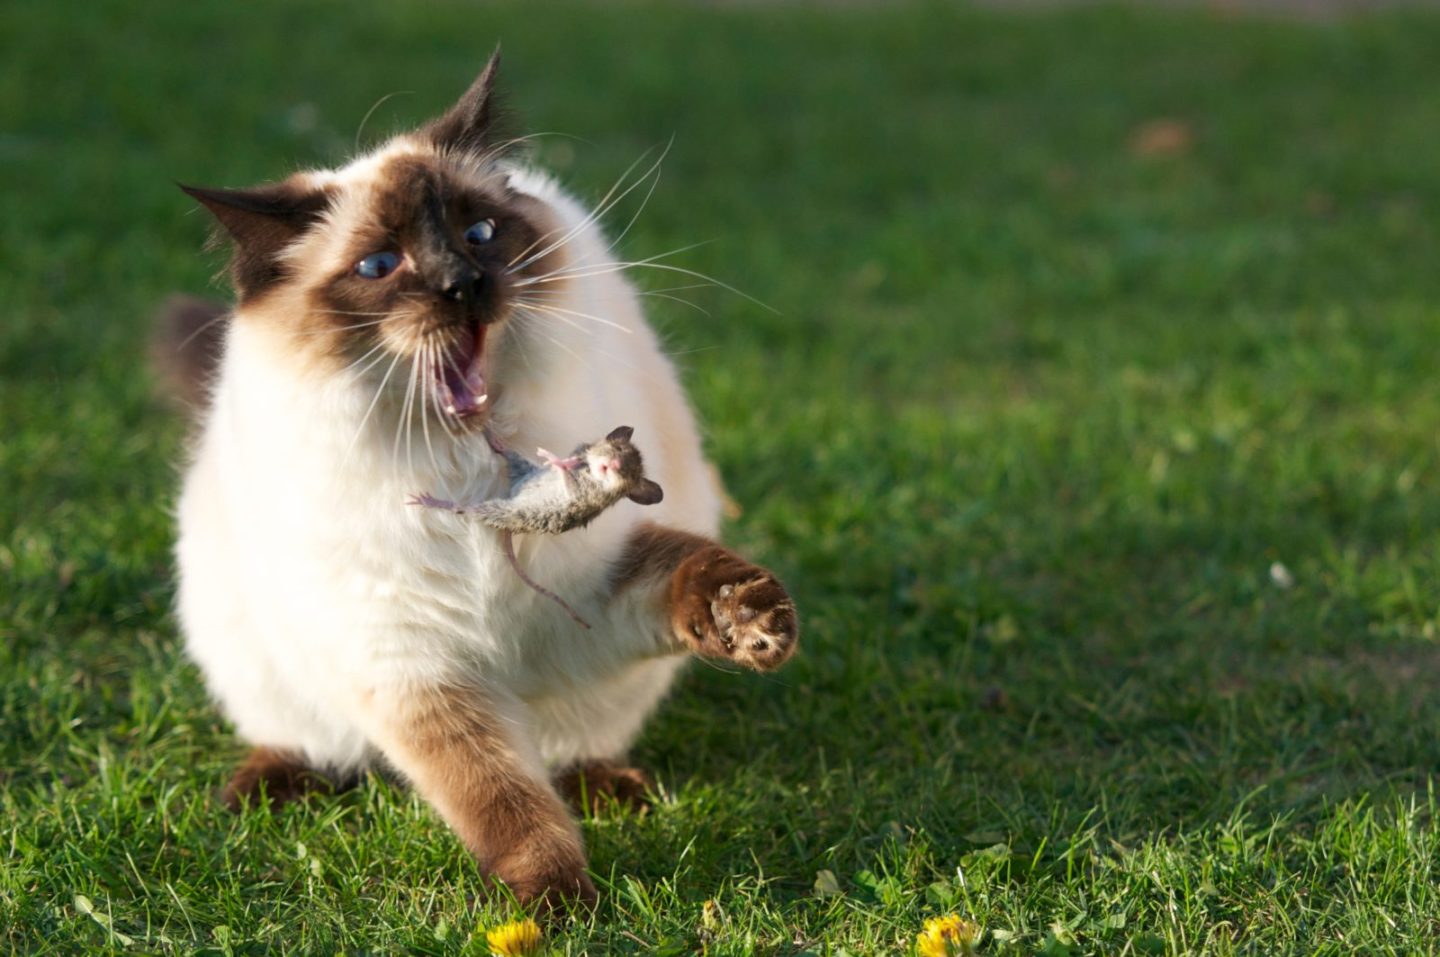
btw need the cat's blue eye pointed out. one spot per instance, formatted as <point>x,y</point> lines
<point>481,232</point>
<point>377,265</point>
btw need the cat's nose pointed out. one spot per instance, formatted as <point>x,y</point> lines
<point>464,285</point>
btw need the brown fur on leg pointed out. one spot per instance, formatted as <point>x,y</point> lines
<point>719,605</point>
<point>456,749</point>
<point>593,787</point>
<point>275,776</point>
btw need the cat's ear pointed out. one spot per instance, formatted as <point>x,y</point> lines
<point>465,127</point>
<point>262,221</point>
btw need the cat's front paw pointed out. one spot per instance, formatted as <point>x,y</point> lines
<point>545,877</point>
<point>725,607</point>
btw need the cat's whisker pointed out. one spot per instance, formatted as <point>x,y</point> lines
<point>351,312</point>
<point>606,203</point>
<point>380,390</point>
<point>566,270</point>
<point>303,333</point>
<point>418,399</point>
<point>681,300</point>
<point>203,327</point>
<point>574,230</point>
<point>506,145</point>
<point>441,415</point>
<point>536,323</point>
<point>431,356</point>
<point>370,352</point>
<point>664,267</point>
<point>519,338</point>
<point>711,664</point>
<point>586,270</point>
<point>648,193</point>
<point>370,112</point>
<point>677,353</point>
<point>537,328</point>
<point>569,322</point>
<point>404,421</point>
<point>527,296</point>
<point>511,266</point>
<point>425,405</point>
<point>558,311</point>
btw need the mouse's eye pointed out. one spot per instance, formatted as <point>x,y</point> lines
<point>482,232</point>
<point>377,265</point>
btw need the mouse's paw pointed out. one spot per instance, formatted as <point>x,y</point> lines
<point>555,461</point>
<point>426,500</point>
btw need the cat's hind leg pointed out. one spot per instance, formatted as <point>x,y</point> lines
<point>593,787</point>
<point>277,776</point>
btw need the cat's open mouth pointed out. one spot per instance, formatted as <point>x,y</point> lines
<point>458,375</point>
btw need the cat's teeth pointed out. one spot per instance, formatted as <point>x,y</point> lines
<point>450,408</point>
<point>481,399</point>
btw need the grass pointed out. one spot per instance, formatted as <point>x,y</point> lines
<point>1107,481</point>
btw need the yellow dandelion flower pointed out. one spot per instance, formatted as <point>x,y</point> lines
<point>947,936</point>
<point>519,938</point>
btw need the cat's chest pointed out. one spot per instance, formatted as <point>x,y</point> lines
<point>431,589</point>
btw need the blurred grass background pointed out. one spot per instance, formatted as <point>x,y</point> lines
<point>1095,431</point>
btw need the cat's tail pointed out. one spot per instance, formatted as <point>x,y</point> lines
<point>185,351</point>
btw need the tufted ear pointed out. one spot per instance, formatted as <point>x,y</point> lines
<point>262,221</point>
<point>466,125</point>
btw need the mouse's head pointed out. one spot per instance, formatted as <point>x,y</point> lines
<point>615,464</point>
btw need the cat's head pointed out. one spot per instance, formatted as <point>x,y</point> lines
<point>411,257</point>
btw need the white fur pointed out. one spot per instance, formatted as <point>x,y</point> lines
<point>307,583</point>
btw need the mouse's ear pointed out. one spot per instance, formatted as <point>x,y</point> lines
<point>621,434</point>
<point>646,493</point>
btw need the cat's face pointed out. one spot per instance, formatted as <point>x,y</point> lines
<point>407,263</point>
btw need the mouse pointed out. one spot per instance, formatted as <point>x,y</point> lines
<point>555,495</point>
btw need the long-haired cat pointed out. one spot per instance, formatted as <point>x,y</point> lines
<point>397,320</point>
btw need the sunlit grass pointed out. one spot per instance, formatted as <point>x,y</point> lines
<point>1103,463</point>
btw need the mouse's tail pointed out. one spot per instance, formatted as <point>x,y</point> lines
<point>186,348</point>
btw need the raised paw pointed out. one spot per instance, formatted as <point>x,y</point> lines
<point>725,607</point>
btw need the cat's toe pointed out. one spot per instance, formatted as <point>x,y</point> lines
<point>757,622</point>
<point>726,607</point>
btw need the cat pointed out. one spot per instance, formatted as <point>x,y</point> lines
<point>390,315</point>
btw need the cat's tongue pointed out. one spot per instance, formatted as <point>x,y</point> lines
<point>461,377</point>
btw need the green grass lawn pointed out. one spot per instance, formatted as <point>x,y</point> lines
<point>1107,481</point>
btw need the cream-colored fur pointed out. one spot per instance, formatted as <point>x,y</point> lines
<point>309,589</point>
